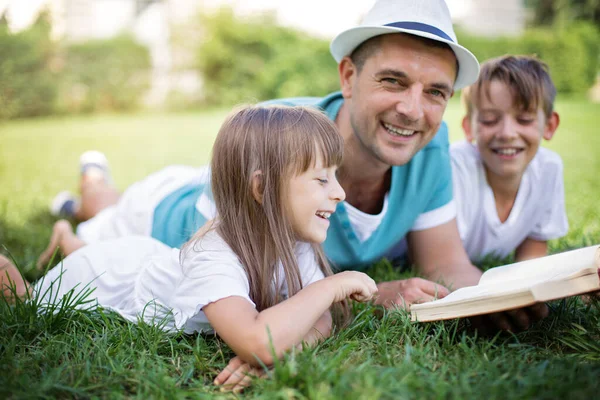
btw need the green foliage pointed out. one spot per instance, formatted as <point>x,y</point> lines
<point>38,77</point>
<point>254,59</point>
<point>27,81</point>
<point>104,75</point>
<point>552,12</point>
<point>573,54</point>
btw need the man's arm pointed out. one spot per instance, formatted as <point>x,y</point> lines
<point>440,256</point>
<point>531,248</point>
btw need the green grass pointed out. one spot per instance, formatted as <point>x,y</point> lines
<point>97,354</point>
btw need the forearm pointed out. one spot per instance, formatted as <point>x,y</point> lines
<point>453,276</point>
<point>320,330</point>
<point>288,323</point>
<point>531,249</point>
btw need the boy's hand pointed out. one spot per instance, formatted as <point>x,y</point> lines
<point>405,292</point>
<point>237,375</point>
<point>512,321</point>
<point>355,285</point>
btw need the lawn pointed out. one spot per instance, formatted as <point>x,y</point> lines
<point>96,354</point>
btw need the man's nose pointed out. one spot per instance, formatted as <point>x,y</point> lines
<point>410,103</point>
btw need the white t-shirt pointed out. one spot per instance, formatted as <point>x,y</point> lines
<point>538,212</point>
<point>141,278</point>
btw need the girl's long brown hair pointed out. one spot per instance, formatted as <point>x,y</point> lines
<point>280,142</point>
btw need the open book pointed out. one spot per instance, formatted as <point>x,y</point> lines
<point>519,285</point>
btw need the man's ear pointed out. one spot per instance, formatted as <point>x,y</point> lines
<point>466,125</point>
<point>258,187</point>
<point>347,71</point>
<point>551,125</point>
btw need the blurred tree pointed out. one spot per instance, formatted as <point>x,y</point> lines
<point>27,83</point>
<point>551,12</point>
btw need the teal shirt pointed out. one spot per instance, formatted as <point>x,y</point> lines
<point>422,185</point>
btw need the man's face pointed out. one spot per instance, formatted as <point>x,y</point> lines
<point>396,102</point>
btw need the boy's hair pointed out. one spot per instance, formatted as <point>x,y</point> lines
<point>280,142</point>
<point>527,77</point>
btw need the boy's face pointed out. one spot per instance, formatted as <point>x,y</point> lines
<point>507,138</point>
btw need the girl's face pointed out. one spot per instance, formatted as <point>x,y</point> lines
<point>311,198</point>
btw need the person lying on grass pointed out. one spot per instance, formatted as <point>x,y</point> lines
<point>509,191</point>
<point>256,275</point>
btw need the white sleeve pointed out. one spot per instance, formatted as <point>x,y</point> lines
<point>553,223</point>
<point>465,185</point>
<point>436,217</point>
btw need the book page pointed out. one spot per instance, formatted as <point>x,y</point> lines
<point>542,269</point>
<point>476,292</point>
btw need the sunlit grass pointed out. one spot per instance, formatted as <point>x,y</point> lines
<point>98,354</point>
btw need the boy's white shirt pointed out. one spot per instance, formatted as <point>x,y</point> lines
<point>538,212</point>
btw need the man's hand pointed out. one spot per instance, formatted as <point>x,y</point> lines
<point>409,291</point>
<point>511,321</point>
<point>237,375</point>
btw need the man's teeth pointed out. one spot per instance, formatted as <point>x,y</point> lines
<point>507,152</point>
<point>398,132</point>
<point>324,214</point>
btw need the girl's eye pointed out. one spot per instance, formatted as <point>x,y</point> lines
<point>322,181</point>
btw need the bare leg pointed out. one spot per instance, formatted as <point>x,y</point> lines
<point>96,195</point>
<point>64,238</point>
<point>11,277</point>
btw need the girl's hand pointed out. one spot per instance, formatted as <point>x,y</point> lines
<point>237,375</point>
<point>355,285</point>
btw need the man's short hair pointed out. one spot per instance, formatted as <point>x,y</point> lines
<point>366,49</point>
<point>527,78</point>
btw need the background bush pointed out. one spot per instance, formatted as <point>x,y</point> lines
<point>27,84</point>
<point>40,77</point>
<point>572,53</point>
<point>247,60</point>
<point>104,75</point>
<point>253,59</point>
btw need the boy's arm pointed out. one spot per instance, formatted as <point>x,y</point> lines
<point>439,254</point>
<point>531,248</point>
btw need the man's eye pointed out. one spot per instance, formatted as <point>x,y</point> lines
<point>393,81</point>
<point>436,93</point>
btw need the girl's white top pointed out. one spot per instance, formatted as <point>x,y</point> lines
<point>141,278</point>
<point>538,212</point>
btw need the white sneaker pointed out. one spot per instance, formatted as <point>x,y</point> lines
<point>95,162</point>
<point>64,204</point>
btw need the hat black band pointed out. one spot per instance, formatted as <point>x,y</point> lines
<point>418,26</point>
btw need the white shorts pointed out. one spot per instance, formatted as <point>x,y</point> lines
<point>134,212</point>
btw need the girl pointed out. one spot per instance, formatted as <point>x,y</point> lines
<point>256,275</point>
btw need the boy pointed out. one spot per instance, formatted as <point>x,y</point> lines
<point>509,191</point>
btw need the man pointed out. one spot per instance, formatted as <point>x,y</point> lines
<point>397,70</point>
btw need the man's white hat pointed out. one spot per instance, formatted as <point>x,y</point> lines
<point>426,18</point>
